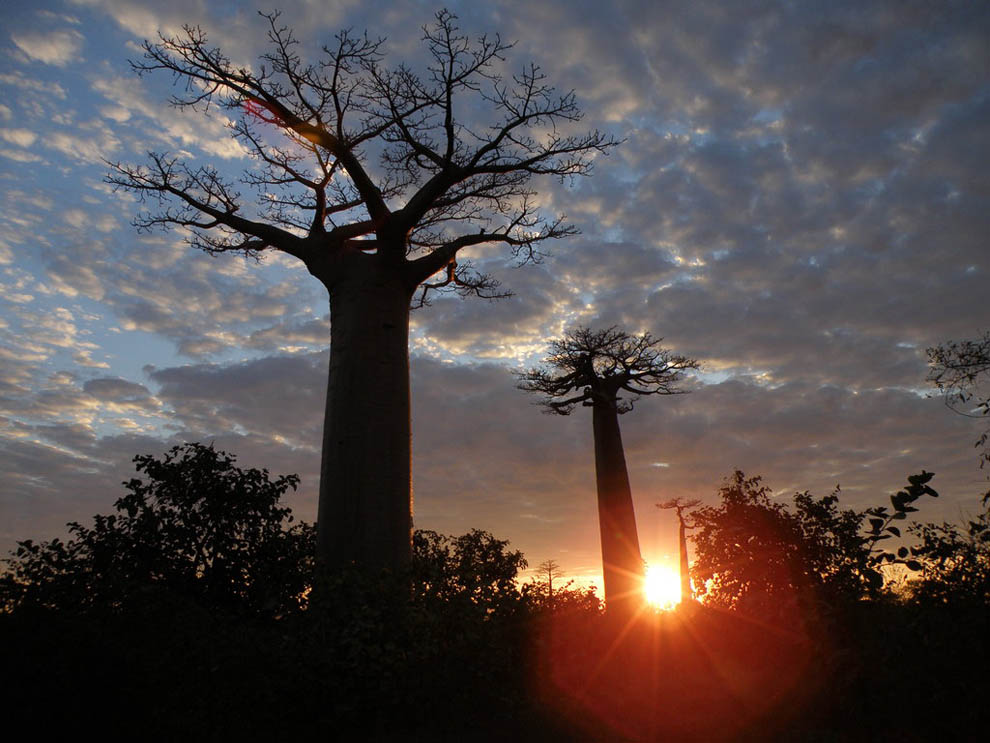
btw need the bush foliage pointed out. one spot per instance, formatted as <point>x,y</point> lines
<point>192,611</point>
<point>759,556</point>
<point>197,527</point>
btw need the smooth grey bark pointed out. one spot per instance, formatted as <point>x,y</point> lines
<point>365,505</point>
<point>622,562</point>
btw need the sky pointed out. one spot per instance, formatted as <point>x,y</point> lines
<point>800,201</point>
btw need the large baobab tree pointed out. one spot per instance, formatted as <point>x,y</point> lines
<point>680,505</point>
<point>593,368</point>
<point>378,179</point>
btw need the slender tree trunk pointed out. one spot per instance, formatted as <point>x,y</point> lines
<point>622,564</point>
<point>365,507</point>
<point>685,570</point>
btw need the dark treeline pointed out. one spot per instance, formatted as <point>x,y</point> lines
<point>188,612</point>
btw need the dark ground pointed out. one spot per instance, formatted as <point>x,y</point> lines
<point>170,670</point>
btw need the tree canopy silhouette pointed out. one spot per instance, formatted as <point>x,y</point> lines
<point>591,368</point>
<point>756,555</point>
<point>167,607</point>
<point>549,593</point>
<point>189,607</point>
<point>474,571</point>
<point>954,560</point>
<point>378,178</point>
<point>198,527</point>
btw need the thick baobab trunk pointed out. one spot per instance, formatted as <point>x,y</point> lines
<point>685,569</point>
<point>622,564</point>
<point>365,508</point>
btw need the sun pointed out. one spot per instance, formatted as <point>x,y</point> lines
<point>662,587</point>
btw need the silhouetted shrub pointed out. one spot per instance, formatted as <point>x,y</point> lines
<point>954,563</point>
<point>197,527</point>
<point>174,647</point>
<point>565,599</point>
<point>473,571</point>
<point>756,555</point>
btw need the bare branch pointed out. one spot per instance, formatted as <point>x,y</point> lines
<point>960,370</point>
<point>296,97</point>
<point>598,364</point>
<point>186,196</point>
<point>680,505</point>
<point>464,281</point>
<point>956,367</point>
<point>522,234</point>
<point>457,183</point>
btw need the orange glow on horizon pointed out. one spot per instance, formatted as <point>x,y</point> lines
<point>662,586</point>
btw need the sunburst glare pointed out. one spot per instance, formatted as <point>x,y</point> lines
<point>662,587</point>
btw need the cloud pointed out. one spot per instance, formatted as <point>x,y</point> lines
<point>204,305</point>
<point>142,123</point>
<point>114,389</point>
<point>293,334</point>
<point>20,137</point>
<point>20,156</point>
<point>20,80</point>
<point>211,399</point>
<point>85,358</point>
<point>145,20</point>
<point>798,202</point>
<point>57,48</point>
<point>88,147</point>
<point>508,328</point>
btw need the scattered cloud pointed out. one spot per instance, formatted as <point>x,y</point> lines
<point>20,156</point>
<point>93,146</point>
<point>85,359</point>
<point>20,137</point>
<point>20,80</point>
<point>57,48</point>
<point>798,202</point>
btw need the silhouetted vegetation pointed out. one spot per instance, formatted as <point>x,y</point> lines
<point>757,556</point>
<point>186,613</point>
<point>198,528</point>
<point>960,370</point>
<point>955,563</point>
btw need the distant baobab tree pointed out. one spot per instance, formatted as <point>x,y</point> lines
<point>681,505</point>
<point>549,569</point>
<point>376,234</point>
<point>591,368</point>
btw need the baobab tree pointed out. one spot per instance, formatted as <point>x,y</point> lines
<point>378,179</point>
<point>547,570</point>
<point>591,368</point>
<point>680,505</point>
